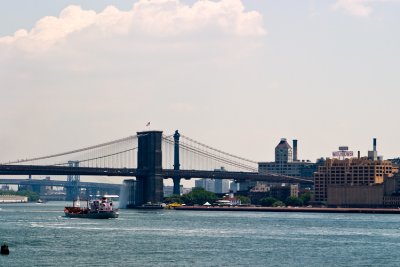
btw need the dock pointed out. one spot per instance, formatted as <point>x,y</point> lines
<point>292,209</point>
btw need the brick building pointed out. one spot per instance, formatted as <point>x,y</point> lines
<point>351,172</point>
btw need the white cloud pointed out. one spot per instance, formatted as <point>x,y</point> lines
<point>159,18</point>
<point>88,70</point>
<point>358,8</point>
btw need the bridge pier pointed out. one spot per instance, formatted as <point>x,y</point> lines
<point>150,162</point>
<point>73,180</point>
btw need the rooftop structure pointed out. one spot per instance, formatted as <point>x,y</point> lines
<point>283,152</point>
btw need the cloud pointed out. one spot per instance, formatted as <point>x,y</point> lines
<point>358,8</point>
<point>106,72</point>
<point>157,18</point>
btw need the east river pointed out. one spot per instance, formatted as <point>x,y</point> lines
<point>39,235</point>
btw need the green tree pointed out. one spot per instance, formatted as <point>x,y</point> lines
<point>32,196</point>
<point>306,197</point>
<point>199,196</point>
<point>267,201</point>
<point>278,204</point>
<point>293,201</point>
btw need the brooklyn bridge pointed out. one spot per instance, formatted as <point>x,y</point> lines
<point>150,157</point>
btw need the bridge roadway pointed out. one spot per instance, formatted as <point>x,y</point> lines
<point>131,172</point>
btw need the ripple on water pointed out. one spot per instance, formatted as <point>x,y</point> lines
<point>40,236</point>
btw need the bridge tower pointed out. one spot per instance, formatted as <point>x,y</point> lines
<point>176,180</point>
<point>149,160</point>
<point>73,180</point>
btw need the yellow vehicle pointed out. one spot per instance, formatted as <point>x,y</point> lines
<point>173,205</point>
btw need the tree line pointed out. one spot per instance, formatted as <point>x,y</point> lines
<point>199,196</point>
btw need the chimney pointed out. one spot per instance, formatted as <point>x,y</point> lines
<point>359,155</point>
<point>373,155</point>
<point>294,150</point>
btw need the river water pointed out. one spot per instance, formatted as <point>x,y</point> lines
<point>39,235</point>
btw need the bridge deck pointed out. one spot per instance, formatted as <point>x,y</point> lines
<point>130,172</point>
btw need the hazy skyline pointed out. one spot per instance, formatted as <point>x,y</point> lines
<point>236,75</point>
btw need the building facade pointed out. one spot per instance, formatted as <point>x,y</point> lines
<point>349,172</point>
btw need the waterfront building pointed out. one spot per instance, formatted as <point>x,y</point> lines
<point>386,194</point>
<point>278,191</point>
<point>353,171</point>
<point>351,178</point>
<point>13,199</point>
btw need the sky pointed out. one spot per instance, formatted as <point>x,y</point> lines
<point>237,75</point>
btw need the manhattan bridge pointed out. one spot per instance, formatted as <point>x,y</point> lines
<point>150,157</point>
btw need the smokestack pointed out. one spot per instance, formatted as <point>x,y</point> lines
<point>294,150</point>
<point>374,144</point>
<point>359,155</point>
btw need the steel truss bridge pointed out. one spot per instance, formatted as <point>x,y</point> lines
<point>150,156</point>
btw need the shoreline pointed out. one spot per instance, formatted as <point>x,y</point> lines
<point>300,209</point>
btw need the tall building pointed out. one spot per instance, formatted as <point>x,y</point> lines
<point>287,162</point>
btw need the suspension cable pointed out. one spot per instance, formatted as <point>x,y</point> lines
<point>77,150</point>
<point>101,157</point>
<point>217,150</point>
<point>213,156</point>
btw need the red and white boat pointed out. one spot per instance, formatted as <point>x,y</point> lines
<point>96,209</point>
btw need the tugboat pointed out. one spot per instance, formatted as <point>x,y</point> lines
<point>96,209</point>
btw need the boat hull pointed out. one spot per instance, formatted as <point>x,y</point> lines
<point>93,215</point>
